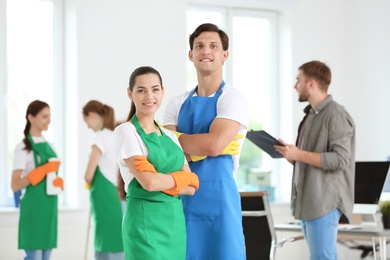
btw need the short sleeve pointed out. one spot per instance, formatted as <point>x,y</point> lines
<point>20,157</point>
<point>99,142</point>
<point>127,141</point>
<point>172,109</point>
<point>233,105</point>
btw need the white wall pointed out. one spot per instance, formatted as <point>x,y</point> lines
<point>352,37</point>
<point>117,36</point>
<point>368,75</point>
<point>319,33</point>
<point>114,37</point>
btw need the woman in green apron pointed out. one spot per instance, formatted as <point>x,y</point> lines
<point>153,173</point>
<point>38,210</point>
<point>100,175</point>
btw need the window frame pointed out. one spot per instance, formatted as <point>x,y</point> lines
<point>275,106</point>
<point>3,82</point>
<point>58,110</point>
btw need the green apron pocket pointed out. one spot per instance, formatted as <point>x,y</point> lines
<point>164,223</point>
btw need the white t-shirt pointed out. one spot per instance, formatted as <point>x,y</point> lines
<point>104,140</point>
<point>232,104</point>
<point>128,143</point>
<point>23,159</point>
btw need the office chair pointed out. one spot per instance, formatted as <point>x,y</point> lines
<point>258,226</point>
<point>366,250</point>
<point>354,243</point>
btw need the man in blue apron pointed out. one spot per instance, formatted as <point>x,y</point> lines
<point>207,119</point>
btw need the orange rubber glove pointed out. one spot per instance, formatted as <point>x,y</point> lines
<point>143,165</point>
<point>181,177</point>
<point>171,191</point>
<point>39,173</point>
<point>59,182</point>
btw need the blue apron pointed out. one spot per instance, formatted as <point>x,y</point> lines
<point>213,214</point>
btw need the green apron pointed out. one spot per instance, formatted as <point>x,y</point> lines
<point>154,225</point>
<point>38,211</point>
<point>107,214</point>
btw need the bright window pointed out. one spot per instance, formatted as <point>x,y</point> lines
<point>29,72</point>
<point>251,68</point>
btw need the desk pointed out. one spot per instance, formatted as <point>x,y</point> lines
<point>373,232</point>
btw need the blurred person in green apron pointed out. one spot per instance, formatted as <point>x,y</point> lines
<point>38,210</point>
<point>100,177</point>
<point>153,172</point>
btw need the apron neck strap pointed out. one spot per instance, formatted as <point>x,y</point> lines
<point>42,151</point>
<point>219,91</point>
<point>137,126</point>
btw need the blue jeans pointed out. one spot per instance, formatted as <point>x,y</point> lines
<point>321,235</point>
<point>109,256</point>
<point>37,254</point>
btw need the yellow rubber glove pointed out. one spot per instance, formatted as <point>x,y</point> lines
<point>196,158</point>
<point>233,147</point>
<point>87,186</point>
<point>39,173</point>
<point>178,134</point>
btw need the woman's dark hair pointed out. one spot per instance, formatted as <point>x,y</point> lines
<point>133,78</point>
<point>209,27</point>
<point>33,109</point>
<point>103,110</point>
<point>121,186</point>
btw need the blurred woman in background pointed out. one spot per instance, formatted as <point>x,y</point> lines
<point>100,177</point>
<point>38,220</point>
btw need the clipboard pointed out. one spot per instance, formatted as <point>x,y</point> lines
<point>265,142</point>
